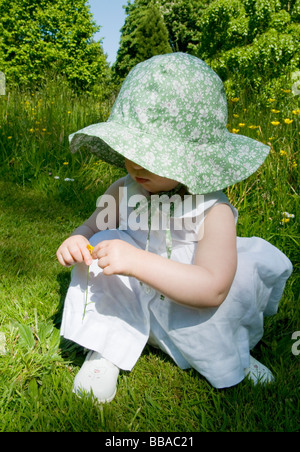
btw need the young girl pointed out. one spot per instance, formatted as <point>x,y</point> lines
<point>166,267</point>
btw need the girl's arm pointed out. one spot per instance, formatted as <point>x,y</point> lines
<point>74,248</point>
<point>205,283</point>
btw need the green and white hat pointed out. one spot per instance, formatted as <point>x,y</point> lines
<point>170,117</point>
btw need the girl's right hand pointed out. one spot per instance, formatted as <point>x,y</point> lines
<point>74,250</point>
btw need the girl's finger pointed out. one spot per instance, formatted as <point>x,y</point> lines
<point>86,255</point>
<point>64,257</point>
<point>99,250</point>
<point>103,262</point>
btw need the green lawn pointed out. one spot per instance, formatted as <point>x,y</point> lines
<point>37,369</point>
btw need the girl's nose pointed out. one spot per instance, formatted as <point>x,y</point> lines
<point>134,165</point>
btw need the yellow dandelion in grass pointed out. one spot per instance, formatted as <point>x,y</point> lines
<point>288,121</point>
<point>235,99</point>
<point>236,116</point>
<point>286,91</point>
<point>31,130</point>
<point>241,124</point>
<point>271,99</point>
<point>69,112</point>
<point>275,111</point>
<point>253,127</point>
<point>282,152</point>
<point>9,138</point>
<point>66,163</point>
<point>286,217</point>
<point>235,130</point>
<point>296,112</point>
<point>294,164</point>
<point>275,123</point>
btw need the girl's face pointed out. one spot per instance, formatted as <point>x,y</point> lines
<point>150,181</point>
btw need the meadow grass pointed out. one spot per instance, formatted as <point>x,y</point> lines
<point>45,192</point>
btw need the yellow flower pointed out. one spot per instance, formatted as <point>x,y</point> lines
<point>66,163</point>
<point>253,127</point>
<point>283,152</point>
<point>271,100</point>
<point>90,248</point>
<point>69,112</point>
<point>235,130</point>
<point>287,91</point>
<point>241,124</point>
<point>288,121</point>
<point>275,111</point>
<point>44,130</point>
<point>235,99</point>
<point>285,220</point>
<point>9,138</point>
<point>275,123</point>
<point>235,116</point>
<point>294,164</point>
<point>31,130</point>
<point>296,112</point>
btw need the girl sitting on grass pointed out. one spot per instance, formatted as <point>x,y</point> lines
<point>166,267</point>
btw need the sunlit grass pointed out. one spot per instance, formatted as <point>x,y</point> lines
<point>45,192</point>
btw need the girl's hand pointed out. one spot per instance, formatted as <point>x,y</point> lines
<point>74,250</point>
<point>116,257</point>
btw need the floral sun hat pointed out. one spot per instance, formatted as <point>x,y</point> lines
<point>170,118</point>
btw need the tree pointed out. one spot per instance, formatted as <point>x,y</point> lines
<point>144,35</point>
<point>42,38</point>
<point>252,44</point>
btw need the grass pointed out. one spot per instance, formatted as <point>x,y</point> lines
<point>37,211</point>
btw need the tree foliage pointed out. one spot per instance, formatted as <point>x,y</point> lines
<point>42,38</point>
<point>144,34</point>
<point>253,44</point>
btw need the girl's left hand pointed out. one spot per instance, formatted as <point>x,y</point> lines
<point>116,257</point>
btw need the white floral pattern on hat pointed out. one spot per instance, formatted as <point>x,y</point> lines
<point>170,117</point>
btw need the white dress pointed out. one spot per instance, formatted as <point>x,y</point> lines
<point>122,314</point>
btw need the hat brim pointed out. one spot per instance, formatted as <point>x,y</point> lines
<point>203,168</point>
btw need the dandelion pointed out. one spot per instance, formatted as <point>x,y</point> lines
<point>241,124</point>
<point>286,217</point>
<point>69,112</point>
<point>275,123</point>
<point>253,127</point>
<point>31,130</point>
<point>90,248</point>
<point>288,121</point>
<point>296,112</point>
<point>271,99</point>
<point>236,116</point>
<point>294,164</point>
<point>66,163</point>
<point>235,130</point>
<point>282,152</point>
<point>9,138</point>
<point>275,111</point>
<point>235,99</point>
<point>286,91</point>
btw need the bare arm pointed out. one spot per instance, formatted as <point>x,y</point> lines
<point>74,249</point>
<point>205,283</point>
